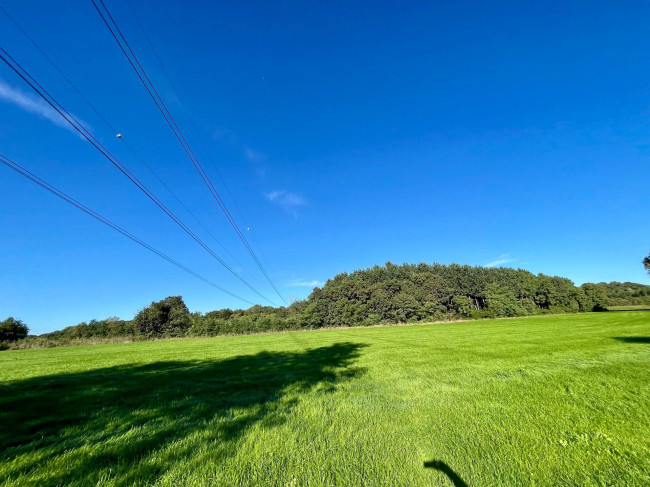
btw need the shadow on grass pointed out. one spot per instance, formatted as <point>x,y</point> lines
<point>128,425</point>
<point>633,339</point>
<point>444,468</point>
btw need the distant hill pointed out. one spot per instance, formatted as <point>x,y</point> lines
<point>415,292</point>
<point>406,293</point>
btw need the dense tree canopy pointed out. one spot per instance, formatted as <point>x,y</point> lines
<point>12,330</point>
<point>646,263</point>
<point>169,317</point>
<point>382,294</point>
<point>110,327</point>
<point>623,293</point>
<point>409,293</point>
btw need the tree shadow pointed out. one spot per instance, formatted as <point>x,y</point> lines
<point>446,469</point>
<point>633,339</point>
<point>129,424</point>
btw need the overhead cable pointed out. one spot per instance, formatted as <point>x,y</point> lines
<point>187,112</point>
<point>57,192</point>
<point>114,130</point>
<point>124,46</point>
<point>85,133</point>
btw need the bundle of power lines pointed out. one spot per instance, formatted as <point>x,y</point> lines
<point>133,60</point>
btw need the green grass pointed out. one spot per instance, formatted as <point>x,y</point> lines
<point>629,307</point>
<point>553,400</point>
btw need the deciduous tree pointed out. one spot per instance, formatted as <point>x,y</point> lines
<point>169,317</point>
<point>12,330</point>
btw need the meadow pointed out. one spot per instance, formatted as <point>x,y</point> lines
<point>549,400</point>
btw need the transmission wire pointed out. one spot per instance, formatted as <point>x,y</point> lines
<point>79,127</point>
<point>57,192</point>
<point>160,104</point>
<point>114,130</point>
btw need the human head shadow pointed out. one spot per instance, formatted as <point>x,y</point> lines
<point>121,421</point>
<point>636,339</point>
<point>446,469</point>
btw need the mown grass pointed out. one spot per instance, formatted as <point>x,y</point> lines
<point>553,400</point>
<point>630,307</point>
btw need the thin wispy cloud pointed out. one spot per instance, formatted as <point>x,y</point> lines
<point>32,105</point>
<point>288,201</point>
<point>225,134</point>
<point>303,283</point>
<point>502,259</point>
<point>253,155</point>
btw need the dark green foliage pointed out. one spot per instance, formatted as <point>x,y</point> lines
<point>646,263</point>
<point>463,306</point>
<point>596,296</point>
<point>12,330</point>
<point>169,317</point>
<point>110,327</point>
<point>406,293</point>
<point>619,293</point>
<point>388,294</point>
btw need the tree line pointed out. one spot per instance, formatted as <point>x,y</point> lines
<point>391,293</point>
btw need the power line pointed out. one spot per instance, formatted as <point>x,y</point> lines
<point>18,69</point>
<point>114,131</point>
<point>187,112</point>
<point>85,133</point>
<point>160,104</point>
<point>97,112</point>
<point>201,139</point>
<point>57,192</point>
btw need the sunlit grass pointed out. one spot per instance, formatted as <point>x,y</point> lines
<point>630,307</point>
<point>553,400</point>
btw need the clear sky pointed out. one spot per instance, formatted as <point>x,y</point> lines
<point>348,133</point>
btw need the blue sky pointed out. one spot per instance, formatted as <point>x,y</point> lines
<point>348,133</point>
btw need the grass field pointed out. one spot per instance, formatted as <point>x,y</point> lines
<point>553,400</point>
<point>630,307</point>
